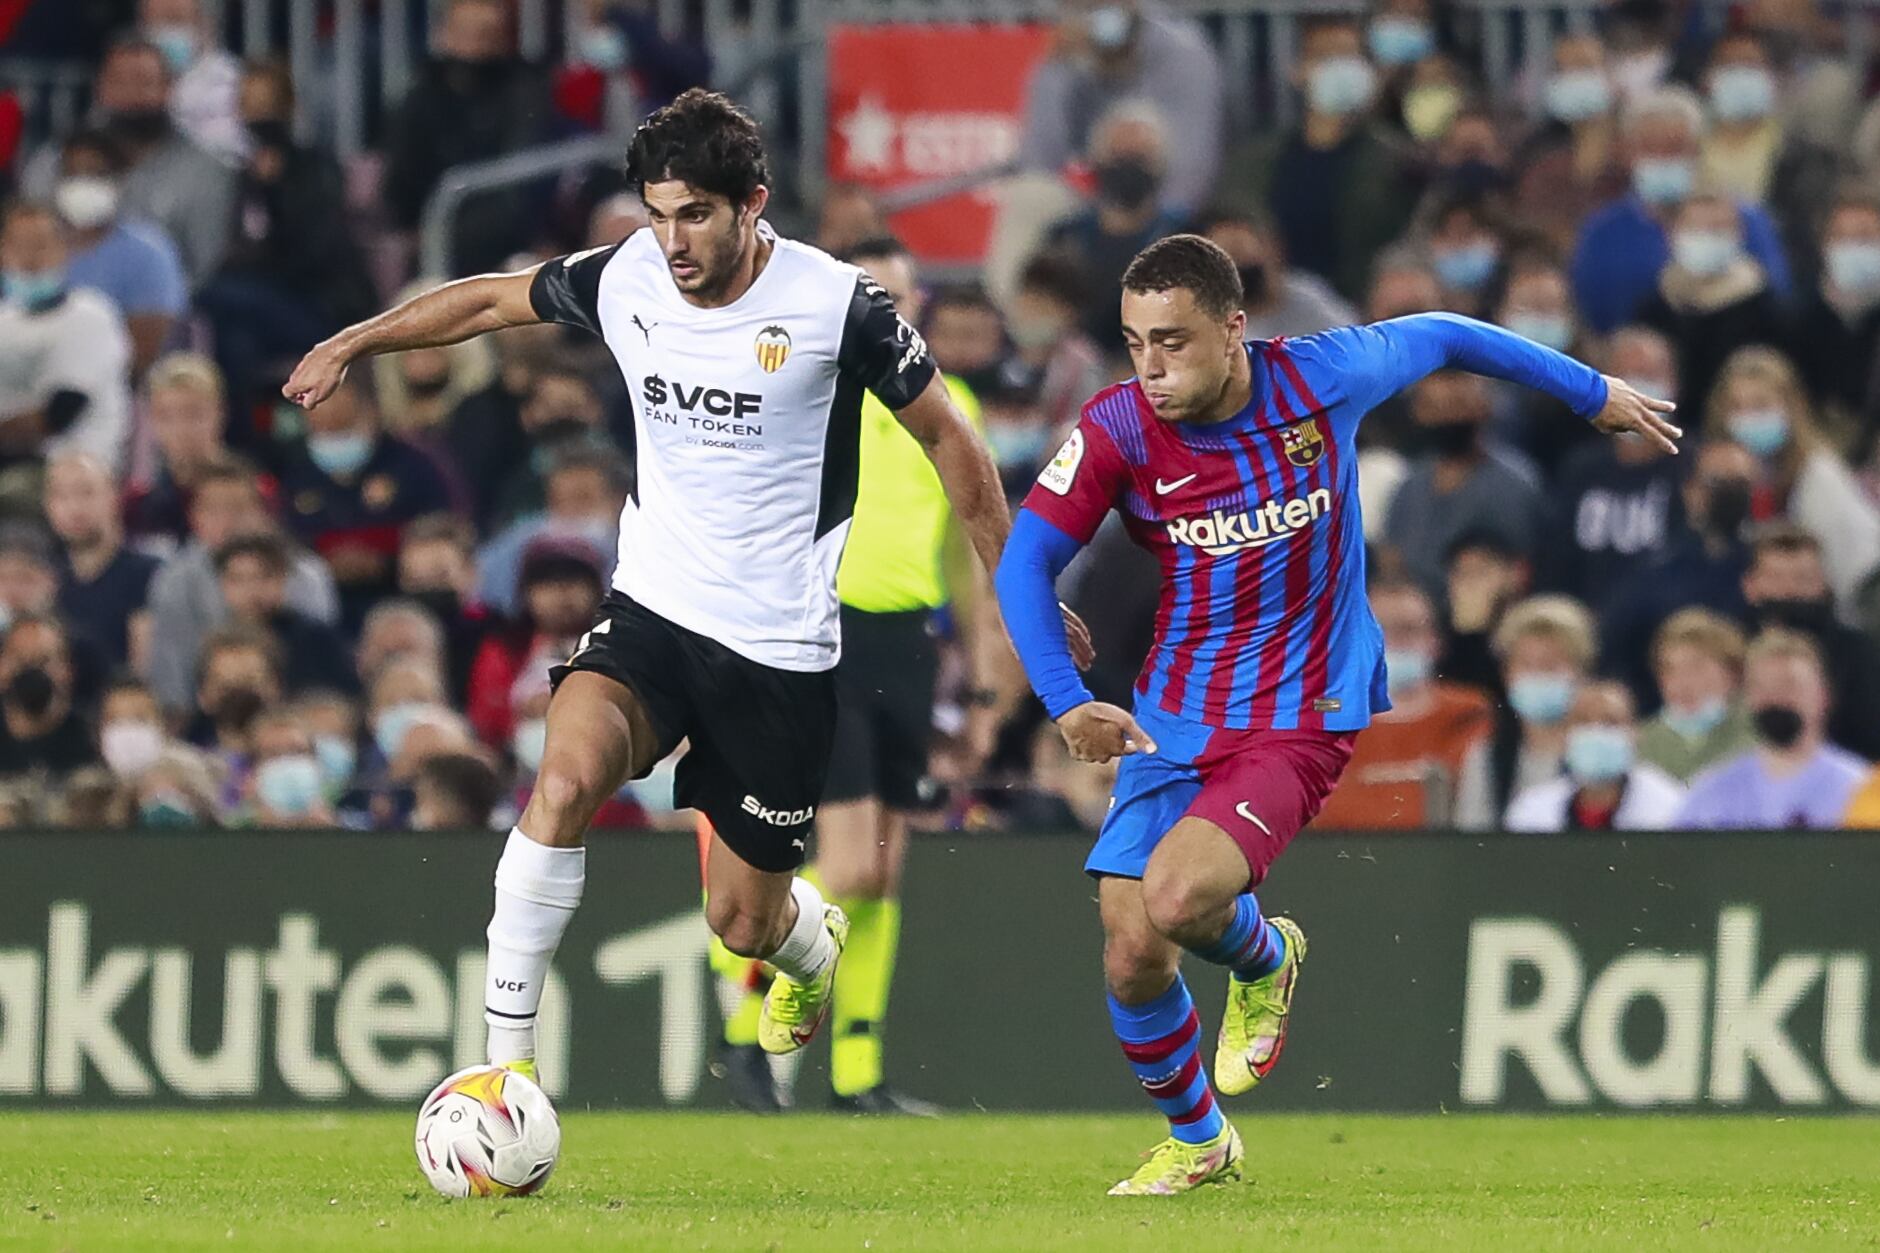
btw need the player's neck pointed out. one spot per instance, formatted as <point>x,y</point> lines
<point>1234,396</point>
<point>750,265</point>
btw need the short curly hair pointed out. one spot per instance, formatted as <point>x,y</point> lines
<point>704,140</point>
<point>1197,265</point>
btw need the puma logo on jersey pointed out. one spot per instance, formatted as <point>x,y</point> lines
<point>715,401</point>
<point>1221,532</point>
<point>777,817</point>
<point>645,329</point>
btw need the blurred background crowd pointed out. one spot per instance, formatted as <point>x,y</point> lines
<point>219,610</point>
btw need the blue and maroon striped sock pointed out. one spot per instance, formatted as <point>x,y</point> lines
<point>1251,946</point>
<point>1160,1039</point>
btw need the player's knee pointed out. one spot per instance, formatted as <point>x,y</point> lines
<point>568,790</point>
<point>1137,968</point>
<point>1178,906</point>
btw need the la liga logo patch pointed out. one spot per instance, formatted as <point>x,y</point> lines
<point>773,348</point>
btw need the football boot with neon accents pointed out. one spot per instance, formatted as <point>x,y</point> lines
<point>1253,1027</point>
<point>1175,1166</point>
<point>793,1011</point>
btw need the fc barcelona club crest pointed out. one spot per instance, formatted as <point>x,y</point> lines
<point>773,348</point>
<point>1303,443</point>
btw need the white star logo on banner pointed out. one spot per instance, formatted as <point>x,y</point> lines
<point>868,134</point>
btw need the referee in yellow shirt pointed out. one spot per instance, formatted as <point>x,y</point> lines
<point>893,577</point>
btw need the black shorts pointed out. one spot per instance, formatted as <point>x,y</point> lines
<point>760,736</point>
<point>884,707</point>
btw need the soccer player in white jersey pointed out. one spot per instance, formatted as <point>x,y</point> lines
<point>746,357</point>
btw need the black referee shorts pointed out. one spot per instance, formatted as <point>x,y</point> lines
<point>760,736</point>
<point>884,707</point>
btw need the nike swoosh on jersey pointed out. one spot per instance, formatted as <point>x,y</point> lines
<point>1163,489</point>
<point>1246,811</point>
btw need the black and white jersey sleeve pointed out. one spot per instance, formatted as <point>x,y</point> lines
<point>880,350</point>
<point>568,289</point>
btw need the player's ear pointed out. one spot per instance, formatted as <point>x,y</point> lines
<point>1236,329</point>
<point>753,208</point>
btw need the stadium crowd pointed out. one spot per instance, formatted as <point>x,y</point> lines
<point>219,610</point>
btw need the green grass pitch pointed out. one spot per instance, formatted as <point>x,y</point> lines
<point>290,1182</point>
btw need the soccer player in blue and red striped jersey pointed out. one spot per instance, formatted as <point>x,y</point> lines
<point>1234,463</point>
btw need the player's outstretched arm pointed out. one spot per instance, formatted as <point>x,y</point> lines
<point>444,315</point>
<point>1035,555</point>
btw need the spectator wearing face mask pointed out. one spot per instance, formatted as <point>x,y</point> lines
<point>1701,567</point>
<point>292,274</point>
<point>1616,501</point>
<point>127,259</point>
<point>1760,402</point>
<point>1459,484</point>
<point>1623,248</point>
<point>1129,149</point>
<point>1043,317</point>
<point>473,100</point>
<point>1697,660</point>
<point>1110,52</point>
<point>1605,787</point>
<point>561,416</point>
<point>349,490</point>
<point>1403,773</point>
<point>966,334</point>
<point>1485,578</point>
<point>203,74</point>
<point>437,568</point>
<point>1427,101</point>
<point>1571,164</point>
<point>253,570</point>
<point>1837,333</point>
<point>181,789</point>
<point>1794,777</point>
<point>1276,299</point>
<point>1787,588</point>
<point>398,629</point>
<point>131,733</point>
<point>1712,298</point>
<point>186,600</point>
<point>1750,151</point>
<point>1536,302</point>
<point>169,179</point>
<point>286,787</point>
<point>41,728</point>
<point>1401,282</point>
<point>240,678</point>
<point>1545,646</point>
<point>64,353</point>
<point>455,792</point>
<point>1401,35</point>
<point>332,720</point>
<point>587,487</point>
<point>1335,183</point>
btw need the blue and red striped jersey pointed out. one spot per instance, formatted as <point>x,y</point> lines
<point>1263,620</point>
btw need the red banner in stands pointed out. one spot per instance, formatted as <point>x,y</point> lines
<point>912,103</point>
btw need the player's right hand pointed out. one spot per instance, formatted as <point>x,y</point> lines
<point>1631,410</point>
<point>318,376</point>
<point>1096,732</point>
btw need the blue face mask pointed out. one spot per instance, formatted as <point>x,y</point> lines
<point>1854,266</point>
<point>1398,40</point>
<point>1695,724</point>
<point>175,42</point>
<point>393,724</point>
<point>1576,95</point>
<point>1020,447</point>
<point>1598,753</point>
<point>340,456</point>
<point>32,290</point>
<point>1553,330</point>
<point>1542,699</point>
<point>529,743</point>
<point>166,809</point>
<point>1405,668</point>
<point>337,759</point>
<point>1467,268</point>
<point>1742,93</point>
<point>1764,432</point>
<point>1663,180</point>
<point>290,786</point>
<point>1340,86</point>
<point>1705,254</point>
<point>604,48</point>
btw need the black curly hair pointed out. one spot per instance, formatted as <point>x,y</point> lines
<point>704,140</point>
<point>1198,265</point>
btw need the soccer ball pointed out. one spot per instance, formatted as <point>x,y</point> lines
<point>487,1131</point>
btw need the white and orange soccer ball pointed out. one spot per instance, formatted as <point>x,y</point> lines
<point>487,1131</point>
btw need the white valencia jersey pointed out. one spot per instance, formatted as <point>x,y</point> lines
<point>747,420</point>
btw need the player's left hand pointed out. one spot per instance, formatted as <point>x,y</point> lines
<point>1083,652</point>
<point>1630,410</point>
<point>1096,733</point>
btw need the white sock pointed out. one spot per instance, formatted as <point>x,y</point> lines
<point>807,950</point>
<point>537,889</point>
